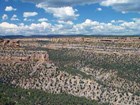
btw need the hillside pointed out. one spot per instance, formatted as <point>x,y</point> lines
<point>101,70</point>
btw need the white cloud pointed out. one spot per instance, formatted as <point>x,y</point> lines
<point>136,20</point>
<point>119,5</point>
<point>42,26</point>
<point>42,19</point>
<point>89,27</point>
<point>10,8</point>
<point>123,5</point>
<point>113,2</point>
<point>63,13</point>
<point>29,14</point>
<point>5,17</point>
<point>99,9</point>
<point>117,21</point>
<point>8,25</point>
<point>14,18</point>
<point>65,22</point>
<point>28,20</point>
<point>8,29</point>
<point>39,28</point>
<point>64,25</point>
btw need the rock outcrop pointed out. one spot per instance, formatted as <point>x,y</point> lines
<point>37,56</point>
<point>10,43</point>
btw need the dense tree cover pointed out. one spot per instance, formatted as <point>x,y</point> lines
<point>10,95</point>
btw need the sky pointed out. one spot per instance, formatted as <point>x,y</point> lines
<point>70,17</point>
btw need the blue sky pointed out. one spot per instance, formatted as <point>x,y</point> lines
<point>90,17</point>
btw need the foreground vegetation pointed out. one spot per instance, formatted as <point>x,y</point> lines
<point>10,95</point>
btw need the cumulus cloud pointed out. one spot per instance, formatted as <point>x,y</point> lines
<point>39,28</point>
<point>29,14</point>
<point>123,5</point>
<point>8,25</point>
<point>14,18</point>
<point>119,5</point>
<point>88,27</point>
<point>4,17</point>
<point>10,8</point>
<point>7,28</point>
<point>99,9</point>
<point>136,19</point>
<point>68,26</point>
<point>63,13</point>
<point>28,20</point>
<point>95,27</point>
<point>42,19</point>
